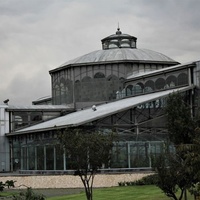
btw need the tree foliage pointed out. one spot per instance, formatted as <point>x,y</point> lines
<point>180,123</point>
<point>192,155</point>
<point>176,169</point>
<point>87,151</point>
<point>173,175</point>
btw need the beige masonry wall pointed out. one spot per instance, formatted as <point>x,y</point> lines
<point>70,181</point>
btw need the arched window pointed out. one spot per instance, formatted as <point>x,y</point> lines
<point>149,86</point>
<point>87,89</point>
<point>171,81</point>
<point>112,86</point>
<point>138,88</point>
<point>160,83</point>
<point>86,79</point>
<point>62,93</point>
<point>77,90</point>
<point>125,43</point>
<point>182,79</point>
<point>113,44</point>
<point>129,89</point>
<point>99,75</point>
<point>57,94</point>
<point>112,78</point>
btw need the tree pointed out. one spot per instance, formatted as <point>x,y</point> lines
<point>181,124</point>
<point>173,175</point>
<point>173,168</point>
<point>87,151</point>
<point>192,156</point>
<point>184,132</point>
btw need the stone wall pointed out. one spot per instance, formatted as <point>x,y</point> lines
<point>70,181</point>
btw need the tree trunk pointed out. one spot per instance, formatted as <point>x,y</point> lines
<point>185,194</point>
<point>197,197</point>
<point>88,187</point>
<point>182,192</point>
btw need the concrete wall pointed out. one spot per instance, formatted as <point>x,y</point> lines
<point>70,181</point>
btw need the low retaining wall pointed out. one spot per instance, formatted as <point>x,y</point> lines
<point>70,181</point>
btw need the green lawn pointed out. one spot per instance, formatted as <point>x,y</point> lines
<point>121,193</point>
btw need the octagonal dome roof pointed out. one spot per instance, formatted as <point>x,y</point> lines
<point>121,54</point>
<point>119,47</point>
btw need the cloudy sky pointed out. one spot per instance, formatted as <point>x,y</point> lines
<point>39,35</point>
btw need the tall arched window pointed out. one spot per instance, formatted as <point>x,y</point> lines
<point>77,91</point>
<point>112,86</point>
<point>87,88</point>
<point>62,93</point>
<point>57,94</point>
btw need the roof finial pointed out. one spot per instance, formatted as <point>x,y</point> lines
<point>118,30</point>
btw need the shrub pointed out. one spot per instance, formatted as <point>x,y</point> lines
<point>10,183</point>
<point>28,195</point>
<point>150,179</point>
<point>122,183</point>
<point>147,180</point>
<point>1,186</point>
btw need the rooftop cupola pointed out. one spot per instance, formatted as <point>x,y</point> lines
<point>119,40</point>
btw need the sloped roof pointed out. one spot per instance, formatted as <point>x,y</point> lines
<point>88,115</point>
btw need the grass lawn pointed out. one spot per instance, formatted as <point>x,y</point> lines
<point>120,193</point>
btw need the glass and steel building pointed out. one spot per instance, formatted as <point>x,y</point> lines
<point>128,87</point>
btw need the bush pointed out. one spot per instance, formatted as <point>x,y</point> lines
<point>150,179</point>
<point>1,186</point>
<point>147,180</point>
<point>28,195</point>
<point>10,183</point>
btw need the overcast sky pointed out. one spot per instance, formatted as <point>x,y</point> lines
<point>39,35</point>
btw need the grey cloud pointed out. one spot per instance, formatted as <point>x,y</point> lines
<point>39,35</point>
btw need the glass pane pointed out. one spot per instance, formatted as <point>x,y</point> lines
<point>31,158</point>
<point>24,158</point>
<point>49,157</point>
<point>139,155</point>
<point>120,156</point>
<point>40,157</point>
<point>59,158</point>
<point>16,159</point>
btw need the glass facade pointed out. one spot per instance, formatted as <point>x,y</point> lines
<point>132,151</point>
<point>20,119</point>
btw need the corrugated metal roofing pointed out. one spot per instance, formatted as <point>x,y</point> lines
<point>120,54</point>
<point>88,115</point>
